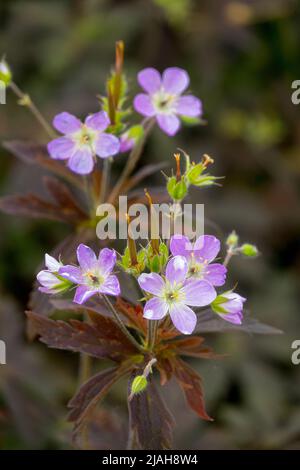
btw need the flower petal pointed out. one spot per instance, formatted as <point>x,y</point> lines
<point>181,245</point>
<point>86,257</point>
<point>176,270</point>
<point>143,105</point>
<point>235,318</point>
<point>83,293</point>
<point>61,148</point>
<point>169,123</point>
<point>175,80</point>
<point>189,106</point>
<point>155,309</point>
<point>72,273</point>
<point>47,279</point>
<point>184,318</point>
<point>52,264</point>
<point>150,80</point>
<point>82,161</point>
<point>111,286</point>
<point>66,123</point>
<point>215,274</point>
<point>152,283</point>
<point>206,248</point>
<point>98,121</point>
<point>107,260</point>
<point>198,293</point>
<point>107,145</point>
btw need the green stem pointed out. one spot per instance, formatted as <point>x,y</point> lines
<point>121,324</point>
<point>25,100</point>
<point>152,333</point>
<point>105,179</point>
<point>131,161</point>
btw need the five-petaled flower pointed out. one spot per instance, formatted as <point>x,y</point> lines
<point>51,282</point>
<point>199,256</point>
<point>82,141</point>
<point>229,306</point>
<point>164,100</point>
<point>173,294</point>
<point>94,275</point>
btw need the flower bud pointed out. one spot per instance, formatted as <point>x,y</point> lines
<point>248,250</point>
<point>130,138</point>
<point>232,239</point>
<point>5,73</point>
<point>229,306</point>
<point>177,190</point>
<point>138,385</point>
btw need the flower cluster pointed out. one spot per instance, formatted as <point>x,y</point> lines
<point>189,280</point>
<point>82,142</point>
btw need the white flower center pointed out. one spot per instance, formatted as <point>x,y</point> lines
<point>84,137</point>
<point>173,293</point>
<point>94,278</point>
<point>163,102</point>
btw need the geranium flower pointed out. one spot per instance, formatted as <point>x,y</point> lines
<point>199,256</point>
<point>82,142</point>
<point>229,306</point>
<point>93,276</point>
<point>174,293</point>
<point>51,282</point>
<point>164,100</point>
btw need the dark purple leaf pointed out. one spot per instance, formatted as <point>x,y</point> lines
<point>150,421</point>
<point>209,322</point>
<point>101,338</point>
<point>191,385</point>
<point>90,394</point>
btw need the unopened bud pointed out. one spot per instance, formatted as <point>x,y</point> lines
<point>232,239</point>
<point>249,250</point>
<point>5,73</point>
<point>138,385</point>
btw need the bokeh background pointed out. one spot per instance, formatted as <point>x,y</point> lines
<point>242,57</point>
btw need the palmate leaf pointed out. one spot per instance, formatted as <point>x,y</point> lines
<point>193,347</point>
<point>62,207</point>
<point>150,421</point>
<point>90,394</point>
<point>37,154</point>
<point>101,338</point>
<point>209,322</point>
<point>191,385</point>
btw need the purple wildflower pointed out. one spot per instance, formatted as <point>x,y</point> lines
<point>173,293</point>
<point>164,100</point>
<point>50,282</point>
<point>93,275</point>
<point>229,306</point>
<point>199,256</point>
<point>82,142</point>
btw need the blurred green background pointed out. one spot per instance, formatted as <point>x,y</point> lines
<point>242,57</point>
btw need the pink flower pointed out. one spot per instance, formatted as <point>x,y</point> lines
<point>82,142</point>
<point>164,98</point>
<point>174,293</point>
<point>94,275</point>
<point>200,256</point>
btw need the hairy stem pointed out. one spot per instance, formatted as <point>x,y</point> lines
<point>121,324</point>
<point>152,333</point>
<point>25,100</point>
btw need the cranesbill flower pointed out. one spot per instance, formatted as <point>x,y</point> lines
<point>164,98</point>
<point>229,306</point>
<point>174,293</point>
<point>200,256</point>
<point>82,141</point>
<point>93,275</point>
<point>51,282</point>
